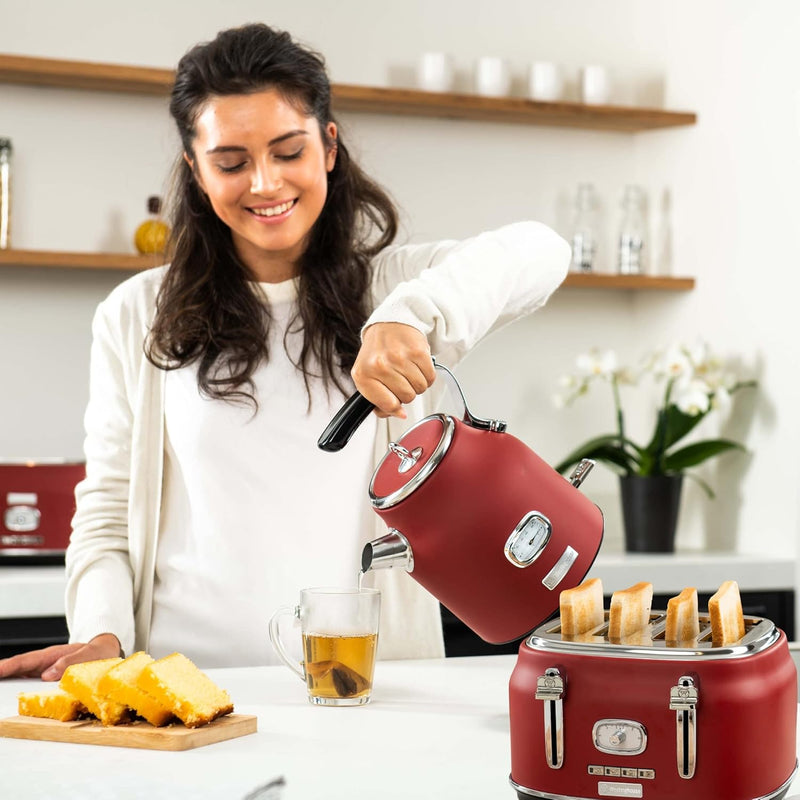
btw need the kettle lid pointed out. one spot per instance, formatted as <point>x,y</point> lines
<point>411,460</point>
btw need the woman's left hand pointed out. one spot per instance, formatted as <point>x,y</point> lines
<point>393,366</point>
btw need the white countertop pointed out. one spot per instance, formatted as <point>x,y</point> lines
<point>39,591</point>
<point>435,730</point>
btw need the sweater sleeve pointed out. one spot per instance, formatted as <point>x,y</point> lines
<point>457,292</point>
<point>99,594</point>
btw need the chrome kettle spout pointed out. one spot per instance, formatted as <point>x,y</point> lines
<point>391,550</point>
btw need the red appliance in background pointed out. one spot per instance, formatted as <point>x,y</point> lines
<point>37,502</point>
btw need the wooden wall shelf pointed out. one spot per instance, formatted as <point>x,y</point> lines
<point>600,280</point>
<point>61,260</point>
<point>135,263</point>
<point>29,70</point>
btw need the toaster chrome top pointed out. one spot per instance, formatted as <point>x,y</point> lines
<point>759,634</point>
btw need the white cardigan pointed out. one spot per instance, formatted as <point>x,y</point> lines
<point>454,292</point>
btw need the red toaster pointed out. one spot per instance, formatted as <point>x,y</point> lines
<point>595,719</point>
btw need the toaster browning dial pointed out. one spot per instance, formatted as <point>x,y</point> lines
<point>619,737</point>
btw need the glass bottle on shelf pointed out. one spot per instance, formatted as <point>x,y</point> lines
<point>662,248</point>
<point>632,234</point>
<point>584,229</point>
<point>151,236</point>
<point>5,193</point>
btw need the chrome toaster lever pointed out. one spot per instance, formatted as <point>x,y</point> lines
<point>550,689</point>
<point>683,699</point>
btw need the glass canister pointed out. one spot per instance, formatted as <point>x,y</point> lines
<point>584,229</point>
<point>633,232</point>
<point>5,193</point>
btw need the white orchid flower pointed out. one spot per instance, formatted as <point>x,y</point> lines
<point>674,363</point>
<point>692,397</point>
<point>596,364</point>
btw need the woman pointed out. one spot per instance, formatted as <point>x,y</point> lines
<point>206,502</point>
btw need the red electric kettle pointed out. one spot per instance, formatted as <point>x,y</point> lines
<point>476,517</point>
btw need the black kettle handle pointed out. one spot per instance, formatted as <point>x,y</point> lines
<point>357,408</point>
<point>339,430</point>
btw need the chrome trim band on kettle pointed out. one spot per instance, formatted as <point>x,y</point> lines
<point>393,498</point>
<point>683,700</point>
<point>550,689</point>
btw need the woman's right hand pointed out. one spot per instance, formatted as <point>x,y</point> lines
<point>50,662</point>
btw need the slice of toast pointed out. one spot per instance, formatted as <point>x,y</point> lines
<point>187,691</point>
<point>683,622</point>
<point>119,684</point>
<point>52,705</point>
<point>81,680</point>
<point>581,608</point>
<point>727,618</point>
<point>629,612</point>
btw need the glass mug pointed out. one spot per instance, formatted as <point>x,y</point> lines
<point>340,636</point>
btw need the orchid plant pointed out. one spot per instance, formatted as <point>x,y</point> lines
<point>696,382</point>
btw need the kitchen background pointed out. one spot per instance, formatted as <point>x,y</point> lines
<point>85,162</point>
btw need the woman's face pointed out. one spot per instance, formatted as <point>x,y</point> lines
<point>264,166</point>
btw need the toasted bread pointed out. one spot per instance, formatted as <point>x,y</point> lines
<point>581,608</point>
<point>81,680</point>
<point>629,612</point>
<point>119,684</point>
<point>53,705</point>
<point>189,693</point>
<point>683,623</point>
<point>727,618</point>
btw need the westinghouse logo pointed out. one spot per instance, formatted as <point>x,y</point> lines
<point>605,789</point>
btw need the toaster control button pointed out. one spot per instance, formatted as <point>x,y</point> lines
<point>630,772</point>
<point>595,769</point>
<point>21,519</point>
<point>647,774</point>
<point>613,772</point>
<point>619,737</point>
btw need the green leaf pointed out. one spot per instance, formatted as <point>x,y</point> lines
<point>602,448</point>
<point>696,453</point>
<point>672,426</point>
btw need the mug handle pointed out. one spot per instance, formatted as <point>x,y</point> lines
<point>277,643</point>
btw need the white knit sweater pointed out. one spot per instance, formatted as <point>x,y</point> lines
<point>454,292</point>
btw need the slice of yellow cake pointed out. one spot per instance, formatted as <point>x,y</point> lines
<point>81,680</point>
<point>187,691</point>
<point>54,705</point>
<point>119,684</point>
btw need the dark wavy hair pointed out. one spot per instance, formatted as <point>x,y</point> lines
<point>208,309</point>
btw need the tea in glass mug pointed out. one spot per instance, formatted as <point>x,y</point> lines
<point>340,636</point>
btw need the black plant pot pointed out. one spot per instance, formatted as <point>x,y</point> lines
<point>650,506</point>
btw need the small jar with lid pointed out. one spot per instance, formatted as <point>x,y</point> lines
<point>151,236</point>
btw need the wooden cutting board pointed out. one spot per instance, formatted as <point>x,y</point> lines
<point>136,734</point>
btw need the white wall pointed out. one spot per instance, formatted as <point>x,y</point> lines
<point>85,162</point>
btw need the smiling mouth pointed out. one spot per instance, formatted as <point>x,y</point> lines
<point>274,211</point>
